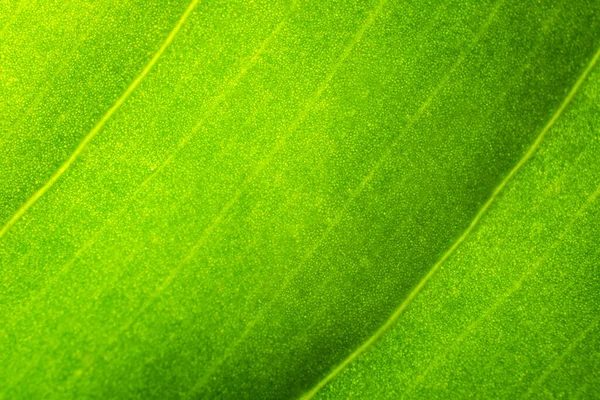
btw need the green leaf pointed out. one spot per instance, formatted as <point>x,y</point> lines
<point>235,199</point>
<point>513,310</point>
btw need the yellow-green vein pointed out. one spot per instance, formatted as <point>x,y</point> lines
<point>384,328</point>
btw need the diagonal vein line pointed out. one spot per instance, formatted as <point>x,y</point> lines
<point>390,321</point>
<point>445,351</point>
<point>213,366</point>
<point>508,293</point>
<point>88,138</point>
<point>35,363</point>
<point>38,97</point>
<point>255,172</point>
<point>355,194</point>
<point>229,85</point>
<point>168,160</point>
<point>562,357</point>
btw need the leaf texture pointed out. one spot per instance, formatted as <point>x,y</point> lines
<point>514,311</point>
<point>231,199</point>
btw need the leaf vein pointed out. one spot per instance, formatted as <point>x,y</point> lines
<point>396,314</point>
<point>508,293</point>
<point>88,138</point>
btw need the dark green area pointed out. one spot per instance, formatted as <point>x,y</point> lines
<point>514,312</point>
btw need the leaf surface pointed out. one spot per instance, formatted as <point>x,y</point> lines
<point>514,311</point>
<point>232,199</point>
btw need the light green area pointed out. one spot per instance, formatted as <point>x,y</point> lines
<point>226,199</point>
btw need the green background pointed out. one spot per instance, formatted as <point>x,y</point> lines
<point>232,197</point>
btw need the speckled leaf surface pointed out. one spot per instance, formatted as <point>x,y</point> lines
<point>275,199</point>
<point>515,311</point>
